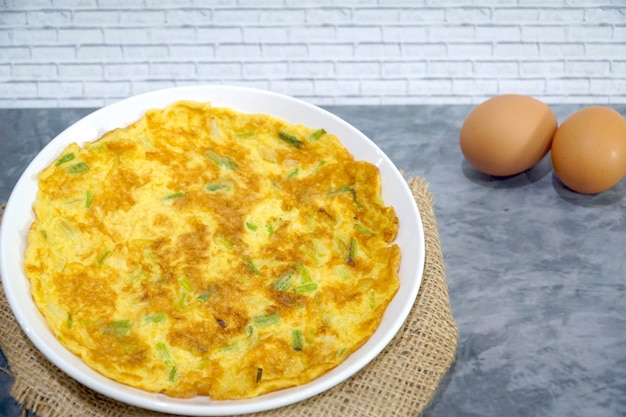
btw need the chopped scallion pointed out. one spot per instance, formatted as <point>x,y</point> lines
<point>305,277</point>
<point>182,299</point>
<point>222,161</point>
<point>245,135</point>
<point>186,284</point>
<point>164,353</point>
<point>231,347</point>
<point>218,187</point>
<point>284,282</point>
<point>268,320</point>
<point>363,229</point>
<point>103,256</point>
<point>174,196</point>
<point>117,328</point>
<point>251,226</point>
<point>65,158</point>
<point>251,266</point>
<point>293,173</point>
<point>228,163</point>
<point>156,318</point>
<point>121,324</point>
<point>273,226</point>
<point>228,244</point>
<point>343,272</point>
<point>290,139</point>
<point>317,134</point>
<point>172,374</point>
<point>311,286</point>
<point>344,189</point>
<point>356,202</point>
<point>68,228</point>
<point>351,255</point>
<point>259,374</point>
<point>88,198</point>
<point>297,341</point>
<point>78,168</point>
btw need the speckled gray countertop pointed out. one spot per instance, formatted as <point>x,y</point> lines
<point>536,273</point>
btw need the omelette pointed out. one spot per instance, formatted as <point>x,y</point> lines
<point>204,251</point>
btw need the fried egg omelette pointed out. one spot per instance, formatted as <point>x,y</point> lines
<point>204,251</point>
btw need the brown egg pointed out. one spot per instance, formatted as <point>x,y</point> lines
<point>507,134</point>
<point>589,150</point>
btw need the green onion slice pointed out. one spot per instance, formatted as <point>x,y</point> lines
<point>218,187</point>
<point>65,158</point>
<point>351,255</point>
<point>317,134</point>
<point>186,284</point>
<point>103,256</point>
<point>267,320</point>
<point>344,189</point>
<point>164,353</point>
<point>372,299</point>
<point>284,282</point>
<point>245,135</point>
<point>88,198</point>
<point>222,161</point>
<point>117,328</point>
<point>78,168</point>
<point>297,341</point>
<point>290,139</point>
<point>172,374</point>
<point>305,277</point>
<point>293,173</point>
<point>68,228</point>
<point>364,229</point>
<point>174,196</point>
<point>251,266</point>
<point>156,318</point>
<point>311,286</point>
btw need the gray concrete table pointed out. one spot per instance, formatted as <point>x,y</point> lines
<point>537,273</point>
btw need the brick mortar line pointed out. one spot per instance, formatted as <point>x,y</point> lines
<point>341,25</point>
<point>157,79</point>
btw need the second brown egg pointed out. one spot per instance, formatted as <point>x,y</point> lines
<point>589,150</point>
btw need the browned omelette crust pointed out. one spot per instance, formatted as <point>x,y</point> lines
<point>202,251</point>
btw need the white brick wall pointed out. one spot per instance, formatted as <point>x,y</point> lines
<point>93,52</point>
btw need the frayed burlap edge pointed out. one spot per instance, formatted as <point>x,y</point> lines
<point>400,381</point>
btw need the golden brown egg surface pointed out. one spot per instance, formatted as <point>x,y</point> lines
<point>589,150</point>
<point>507,134</point>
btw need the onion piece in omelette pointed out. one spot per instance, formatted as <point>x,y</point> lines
<point>203,251</point>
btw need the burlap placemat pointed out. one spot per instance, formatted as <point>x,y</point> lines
<point>400,381</point>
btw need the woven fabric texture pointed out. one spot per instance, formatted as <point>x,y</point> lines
<point>400,381</point>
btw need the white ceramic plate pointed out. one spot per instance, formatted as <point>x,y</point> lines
<point>18,217</point>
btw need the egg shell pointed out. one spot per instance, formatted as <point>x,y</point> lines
<point>589,150</point>
<point>507,134</point>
